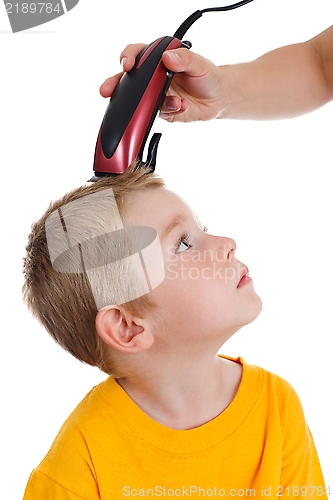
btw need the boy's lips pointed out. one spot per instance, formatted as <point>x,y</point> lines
<point>245,279</point>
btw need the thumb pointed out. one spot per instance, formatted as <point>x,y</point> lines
<point>183,60</point>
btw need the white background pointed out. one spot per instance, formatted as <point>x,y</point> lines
<point>266,184</point>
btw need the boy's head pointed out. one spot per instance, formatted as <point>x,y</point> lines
<point>64,296</point>
<point>93,303</point>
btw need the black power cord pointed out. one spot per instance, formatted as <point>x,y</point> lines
<point>196,15</point>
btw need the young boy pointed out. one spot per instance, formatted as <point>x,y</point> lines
<point>173,418</point>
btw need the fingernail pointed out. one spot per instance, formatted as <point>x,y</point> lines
<point>171,107</point>
<point>122,62</point>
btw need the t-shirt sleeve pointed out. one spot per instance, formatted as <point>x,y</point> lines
<point>301,474</point>
<point>67,472</point>
<point>42,487</point>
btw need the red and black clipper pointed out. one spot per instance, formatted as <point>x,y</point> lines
<point>135,103</point>
<point>132,110</point>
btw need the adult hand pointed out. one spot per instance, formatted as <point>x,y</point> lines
<point>286,82</point>
<point>196,89</point>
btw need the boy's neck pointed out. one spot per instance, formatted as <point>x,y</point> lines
<point>184,394</point>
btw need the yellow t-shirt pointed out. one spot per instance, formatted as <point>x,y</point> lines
<point>109,449</point>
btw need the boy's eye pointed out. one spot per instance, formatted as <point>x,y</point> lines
<point>183,244</point>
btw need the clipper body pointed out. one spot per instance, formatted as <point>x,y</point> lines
<point>132,110</point>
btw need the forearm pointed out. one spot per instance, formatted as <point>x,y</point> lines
<point>284,83</point>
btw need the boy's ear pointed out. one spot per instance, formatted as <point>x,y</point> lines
<point>122,331</point>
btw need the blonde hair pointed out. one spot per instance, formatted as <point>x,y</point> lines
<point>66,303</point>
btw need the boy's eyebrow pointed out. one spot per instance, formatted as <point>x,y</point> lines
<point>173,224</point>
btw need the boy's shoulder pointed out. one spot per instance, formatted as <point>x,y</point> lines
<point>71,448</point>
<point>267,389</point>
<point>254,373</point>
<point>94,408</point>
<point>276,402</point>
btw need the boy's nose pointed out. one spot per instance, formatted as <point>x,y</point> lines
<point>228,247</point>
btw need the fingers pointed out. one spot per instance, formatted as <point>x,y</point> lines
<point>127,59</point>
<point>128,55</point>
<point>172,105</point>
<point>182,61</point>
<point>109,85</point>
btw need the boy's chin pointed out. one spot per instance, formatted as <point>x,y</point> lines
<point>254,310</point>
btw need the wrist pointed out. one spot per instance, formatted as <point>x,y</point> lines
<point>224,94</point>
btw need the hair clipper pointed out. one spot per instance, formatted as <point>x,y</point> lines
<point>135,103</point>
